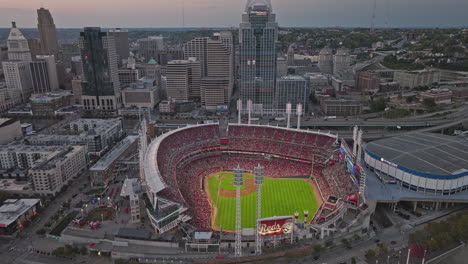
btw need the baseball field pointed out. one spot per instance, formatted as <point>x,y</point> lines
<point>280,197</point>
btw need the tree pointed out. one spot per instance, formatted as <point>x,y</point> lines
<point>353,261</point>
<point>59,252</point>
<point>318,248</point>
<point>382,249</point>
<point>26,223</point>
<point>410,99</point>
<point>345,241</point>
<point>83,250</point>
<point>370,254</point>
<point>429,102</point>
<point>356,237</point>
<point>378,104</point>
<point>41,231</point>
<point>3,197</point>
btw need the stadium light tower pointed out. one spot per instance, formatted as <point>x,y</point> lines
<point>238,182</point>
<point>239,110</point>
<point>259,175</point>
<point>299,114</point>
<point>249,108</point>
<point>289,112</point>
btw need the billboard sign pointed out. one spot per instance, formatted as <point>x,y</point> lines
<point>275,226</point>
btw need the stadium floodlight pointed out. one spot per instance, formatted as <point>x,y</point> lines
<point>259,178</point>
<point>289,112</point>
<point>249,109</point>
<point>238,182</point>
<point>239,110</point>
<point>299,114</point>
<point>355,141</point>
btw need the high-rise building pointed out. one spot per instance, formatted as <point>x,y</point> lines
<point>153,71</point>
<point>341,62</point>
<point>214,92</point>
<point>34,47</point>
<point>216,59</point>
<point>18,80</point>
<point>197,48</point>
<point>150,47</point>
<point>367,82</point>
<point>39,77</point>
<point>294,90</point>
<point>183,79</point>
<point>258,36</point>
<point>51,70</point>
<point>219,57</point>
<point>47,32</point>
<point>44,75</point>
<point>18,47</point>
<point>101,86</point>
<point>326,61</point>
<point>121,43</point>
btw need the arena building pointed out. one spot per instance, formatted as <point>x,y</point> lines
<point>427,164</point>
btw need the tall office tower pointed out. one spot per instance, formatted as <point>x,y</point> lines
<point>18,48</point>
<point>39,77</point>
<point>293,90</point>
<point>258,36</point>
<point>196,48</point>
<point>34,47</point>
<point>68,51</point>
<point>47,32</point>
<point>195,77</point>
<point>18,80</point>
<point>101,86</point>
<point>121,43</point>
<point>77,67</point>
<point>150,47</point>
<point>341,61</point>
<point>3,54</point>
<point>219,66</point>
<point>326,61</point>
<point>44,74</point>
<point>183,79</point>
<point>214,92</point>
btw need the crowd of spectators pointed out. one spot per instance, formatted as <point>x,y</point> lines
<point>299,144</point>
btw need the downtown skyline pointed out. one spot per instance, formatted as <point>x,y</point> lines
<point>226,13</point>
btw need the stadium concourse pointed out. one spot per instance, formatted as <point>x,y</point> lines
<point>176,164</point>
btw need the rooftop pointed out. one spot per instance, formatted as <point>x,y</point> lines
<point>12,209</point>
<point>424,153</point>
<point>292,77</point>
<point>28,148</point>
<point>114,154</point>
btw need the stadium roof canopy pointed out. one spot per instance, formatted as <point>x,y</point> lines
<point>425,154</point>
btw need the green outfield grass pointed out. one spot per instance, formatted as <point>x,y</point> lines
<point>279,198</point>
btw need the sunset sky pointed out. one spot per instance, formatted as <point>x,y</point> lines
<point>205,13</point>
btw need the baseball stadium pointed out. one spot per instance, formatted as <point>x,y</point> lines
<point>189,176</point>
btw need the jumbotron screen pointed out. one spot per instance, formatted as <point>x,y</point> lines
<point>276,226</point>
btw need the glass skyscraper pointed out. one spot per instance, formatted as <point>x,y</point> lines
<point>258,36</point>
<point>101,87</point>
